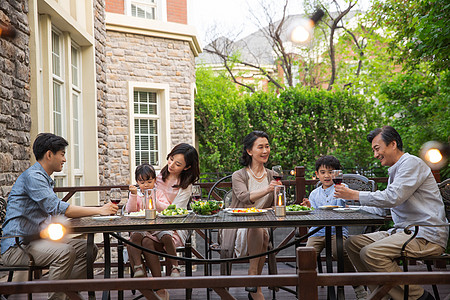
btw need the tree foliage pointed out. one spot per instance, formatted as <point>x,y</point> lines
<point>302,123</point>
<point>419,30</point>
<point>418,105</point>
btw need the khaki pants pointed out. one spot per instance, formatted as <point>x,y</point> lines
<point>67,260</point>
<point>376,252</point>
<point>318,242</point>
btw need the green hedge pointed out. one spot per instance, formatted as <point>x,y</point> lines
<point>302,123</point>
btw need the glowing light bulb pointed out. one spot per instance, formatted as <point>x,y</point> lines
<point>56,231</point>
<point>434,156</point>
<point>300,34</point>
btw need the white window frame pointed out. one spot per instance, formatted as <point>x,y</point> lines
<point>160,8</point>
<point>77,90</point>
<point>59,80</point>
<point>164,138</point>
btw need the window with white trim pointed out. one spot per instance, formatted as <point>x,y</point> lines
<point>143,9</point>
<point>58,84</point>
<point>146,127</point>
<point>76,111</point>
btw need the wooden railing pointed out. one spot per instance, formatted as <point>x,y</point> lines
<point>306,280</point>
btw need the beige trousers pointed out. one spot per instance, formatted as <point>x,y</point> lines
<point>377,251</point>
<point>67,260</point>
<point>318,242</point>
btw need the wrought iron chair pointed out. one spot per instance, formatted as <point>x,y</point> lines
<point>33,270</point>
<point>221,192</point>
<point>444,188</point>
<point>355,182</point>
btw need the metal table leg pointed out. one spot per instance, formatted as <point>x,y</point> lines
<point>107,274</point>
<point>330,289</point>
<point>340,259</point>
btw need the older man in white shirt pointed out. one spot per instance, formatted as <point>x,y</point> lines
<point>413,197</point>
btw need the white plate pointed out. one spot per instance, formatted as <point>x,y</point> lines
<point>346,209</point>
<point>135,216</point>
<point>105,218</point>
<point>175,216</point>
<point>246,213</point>
<point>298,212</point>
<point>329,206</point>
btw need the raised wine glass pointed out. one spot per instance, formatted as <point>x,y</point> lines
<point>338,176</point>
<point>115,196</point>
<point>278,173</point>
<point>196,192</point>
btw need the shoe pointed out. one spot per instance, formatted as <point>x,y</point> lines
<point>361,293</point>
<point>165,297</point>
<point>175,274</point>
<point>426,296</point>
<point>251,289</point>
<point>138,271</point>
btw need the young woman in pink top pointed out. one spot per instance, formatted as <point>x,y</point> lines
<point>175,181</point>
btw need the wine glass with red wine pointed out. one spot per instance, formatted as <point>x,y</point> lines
<point>196,192</point>
<point>278,173</point>
<point>115,196</point>
<point>338,176</point>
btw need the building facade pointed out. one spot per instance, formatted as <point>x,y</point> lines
<point>115,78</point>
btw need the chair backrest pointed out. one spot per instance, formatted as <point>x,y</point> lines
<point>221,193</point>
<point>2,213</point>
<point>357,182</point>
<point>444,188</point>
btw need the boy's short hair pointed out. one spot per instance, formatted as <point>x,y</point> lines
<point>329,161</point>
<point>48,141</point>
<point>144,172</point>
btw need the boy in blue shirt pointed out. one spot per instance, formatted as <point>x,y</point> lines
<point>323,196</point>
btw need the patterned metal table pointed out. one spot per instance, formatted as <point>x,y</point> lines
<point>318,218</point>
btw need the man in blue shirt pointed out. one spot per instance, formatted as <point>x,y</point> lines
<point>31,203</point>
<point>413,197</point>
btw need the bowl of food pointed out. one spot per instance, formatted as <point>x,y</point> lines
<point>296,209</point>
<point>206,208</point>
<point>173,212</point>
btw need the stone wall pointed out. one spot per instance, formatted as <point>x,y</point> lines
<point>15,119</point>
<point>132,57</point>
<point>102,89</point>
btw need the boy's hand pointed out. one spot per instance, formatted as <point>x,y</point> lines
<point>133,189</point>
<point>306,202</point>
<point>343,192</point>
<point>108,209</point>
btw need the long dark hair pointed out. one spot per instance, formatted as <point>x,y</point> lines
<point>248,142</point>
<point>190,175</point>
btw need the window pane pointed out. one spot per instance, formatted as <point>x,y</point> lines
<point>75,73</point>
<point>76,132</point>
<point>57,109</point>
<point>146,141</point>
<point>56,54</point>
<point>145,103</point>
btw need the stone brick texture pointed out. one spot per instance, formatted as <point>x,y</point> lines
<point>15,97</point>
<point>132,57</point>
<point>177,11</point>
<point>102,91</point>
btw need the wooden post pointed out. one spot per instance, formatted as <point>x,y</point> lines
<point>300,184</point>
<point>307,274</point>
<point>436,175</point>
